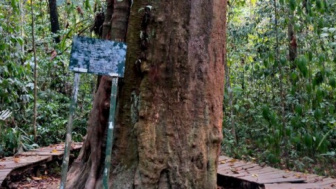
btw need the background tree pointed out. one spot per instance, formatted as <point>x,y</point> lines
<point>54,19</point>
<point>168,131</point>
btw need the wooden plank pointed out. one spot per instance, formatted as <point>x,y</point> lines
<point>59,147</point>
<point>328,182</point>
<point>273,174</point>
<point>248,165</point>
<point>4,169</point>
<point>43,153</point>
<point>3,174</point>
<point>292,186</point>
<point>270,176</point>
<point>280,180</point>
<point>242,174</point>
<point>254,177</point>
<point>251,172</point>
<point>243,171</point>
<point>254,168</point>
<point>227,166</point>
<point>296,174</point>
<point>54,150</point>
<point>11,163</point>
<point>314,178</point>
<point>266,170</point>
<point>232,172</point>
<point>238,165</point>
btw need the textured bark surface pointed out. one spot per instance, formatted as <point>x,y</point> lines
<point>169,114</point>
<point>54,19</point>
<point>292,45</point>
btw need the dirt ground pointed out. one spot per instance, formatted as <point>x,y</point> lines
<point>43,182</point>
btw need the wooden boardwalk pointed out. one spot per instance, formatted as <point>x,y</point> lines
<point>265,177</point>
<point>271,178</point>
<point>25,160</point>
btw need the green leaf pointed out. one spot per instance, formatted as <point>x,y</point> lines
<point>319,95</point>
<point>332,82</point>
<point>298,109</point>
<point>87,5</point>
<point>3,46</point>
<point>283,61</point>
<point>310,56</point>
<point>318,79</point>
<point>266,112</point>
<point>318,4</point>
<point>294,77</point>
<point>309,88</point>
<point>324,35</point>
<point>14,4</point>
<point>292,4</point>
<point>302,65</point>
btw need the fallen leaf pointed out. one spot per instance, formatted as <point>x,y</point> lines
<point>232,160</point>
<point>254,175</point>
<point>54,151</point>
<point>235,171</point>
<point>298,175</point>
<point>2,166</point>
<point>16,160</point>
<point>222,162</point>
<point>36,178</point>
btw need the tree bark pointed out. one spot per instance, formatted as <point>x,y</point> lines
<point>169,113</point>
<point>35,72</point>
<point>292,43</point>
<point>54,19</point>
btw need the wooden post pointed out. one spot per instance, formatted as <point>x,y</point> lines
<point>109,142</point>
<point>68,139</point>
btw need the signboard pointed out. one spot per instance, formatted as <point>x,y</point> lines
<point>102,57</point>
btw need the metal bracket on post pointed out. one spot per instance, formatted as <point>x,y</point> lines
<point>111,123</point>
<point>67,145</point>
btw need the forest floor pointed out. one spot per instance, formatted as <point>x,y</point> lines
<point>43,182</point>
<point>48,178</point>
<point>47,182</point>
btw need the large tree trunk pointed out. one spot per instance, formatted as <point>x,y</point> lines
<point>169,119</point>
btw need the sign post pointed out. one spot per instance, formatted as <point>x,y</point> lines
<point>109,142</point>
<point>67,145</point>
<point>101,57</point>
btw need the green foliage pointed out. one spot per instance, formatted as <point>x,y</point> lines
<point>54,80</point>
<point>283,112</point>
